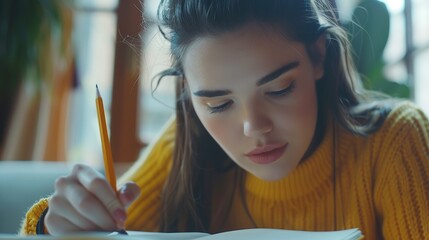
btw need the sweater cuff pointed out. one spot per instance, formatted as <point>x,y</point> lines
<point>29,225</point>
<point>40,227</point>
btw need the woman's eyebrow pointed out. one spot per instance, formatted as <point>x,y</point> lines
<point>276,73</point>
<point>271,76</point>
<point>211,93</point>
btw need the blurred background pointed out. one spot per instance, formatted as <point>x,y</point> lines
<point>54,52</point>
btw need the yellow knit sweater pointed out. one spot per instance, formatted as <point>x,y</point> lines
<point>379,184</point>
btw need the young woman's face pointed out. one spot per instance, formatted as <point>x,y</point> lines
<point>254,91</point>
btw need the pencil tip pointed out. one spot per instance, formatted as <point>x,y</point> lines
<point>98,92</point>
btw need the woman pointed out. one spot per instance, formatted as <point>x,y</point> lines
<point>272,129</point>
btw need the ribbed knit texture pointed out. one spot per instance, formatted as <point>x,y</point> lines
<point>150,173</point>
<point>379,184</point>
<point>29,223</point>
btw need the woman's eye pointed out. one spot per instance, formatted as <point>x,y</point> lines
<point>219,108</point>
<point>283,91</point>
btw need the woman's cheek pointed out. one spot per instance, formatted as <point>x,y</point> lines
<point>218,129</point>
<point>215,123</point>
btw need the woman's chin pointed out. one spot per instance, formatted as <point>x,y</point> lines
<point>272,176</point>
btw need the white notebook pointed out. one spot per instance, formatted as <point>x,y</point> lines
<point>245,234</point>
<point>253,234</point>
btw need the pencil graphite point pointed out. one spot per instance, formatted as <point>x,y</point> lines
<point>98,92</point>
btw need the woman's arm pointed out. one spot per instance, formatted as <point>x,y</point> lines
<point>402,188</point>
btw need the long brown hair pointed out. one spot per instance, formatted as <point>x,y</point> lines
<point>197,157</point>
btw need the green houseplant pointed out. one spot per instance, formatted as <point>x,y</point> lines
<point>369,32</point>
<point>27,31</point>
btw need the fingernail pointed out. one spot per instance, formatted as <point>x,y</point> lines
<point>124,188</point>
<point>129,197</point>
<point>120,215</point>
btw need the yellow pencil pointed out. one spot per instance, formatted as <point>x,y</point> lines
<point>107,151</point>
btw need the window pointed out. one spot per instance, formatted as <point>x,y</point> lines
<point>156,109</point>
<point>95,36</point>
<point>407,50</point>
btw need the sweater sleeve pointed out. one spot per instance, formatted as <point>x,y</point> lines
<point>150,173</point>
<point>402,188</point>
<point>29,223</point>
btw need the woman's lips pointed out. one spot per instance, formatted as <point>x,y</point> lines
<point>267,154</point>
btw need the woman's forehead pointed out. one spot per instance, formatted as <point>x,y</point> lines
<point>250,51</point>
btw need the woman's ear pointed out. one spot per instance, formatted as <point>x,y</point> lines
<point>318,53</point>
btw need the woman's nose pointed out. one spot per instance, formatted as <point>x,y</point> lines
<point>256,123</point>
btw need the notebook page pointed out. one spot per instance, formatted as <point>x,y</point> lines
<point>260,233</point>
<point>166,236</point>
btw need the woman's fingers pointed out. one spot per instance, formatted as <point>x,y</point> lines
<point>70,213</point>
<point>57,225</point>
<point>128,193</point>
<point>95,183</point>
<point>90,207</point>
<point>84,201</point>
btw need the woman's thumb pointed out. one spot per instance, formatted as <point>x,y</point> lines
<point>128,193</point>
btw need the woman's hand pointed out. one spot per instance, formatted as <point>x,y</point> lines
<point>84,201</point>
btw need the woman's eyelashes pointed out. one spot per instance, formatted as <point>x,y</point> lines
<point>283,91</point>
<point>224,106</point>
<point>219,108</point>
